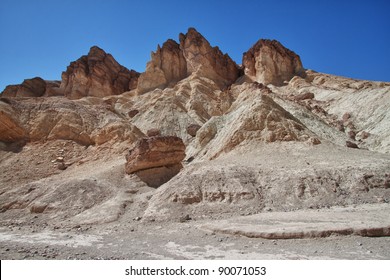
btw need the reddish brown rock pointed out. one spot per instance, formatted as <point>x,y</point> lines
<point>11,129</point>
<point>192,129</point>
<point>97,74</point>
<point>155,152</point>
<point>153,132</point>
<point>209,61</point>
<point>269,62</point>
<point>304,96</point>
<point>346,117</point>
<point>352,134</point>
<point>364,135</point>
<point>350,144</point>
<point>167,67</point>
<point>133,113</point>
<point>173,62</point>
<point>34,87</point>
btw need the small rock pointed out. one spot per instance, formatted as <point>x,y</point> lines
<point>350,144</point>
<point>352,134</point>
<point>304,96</point>
<point>60,159</point>
<point>132,113</point>
<point>346,117</point>
<point>137,218</point>
<point>61,166</point>
<point>364,135</point>
<point>184,218</point>
<point>153,132</point>
<point>192,129</point>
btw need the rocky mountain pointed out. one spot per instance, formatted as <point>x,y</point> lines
<point>194,55</point>
<point>195,135</point>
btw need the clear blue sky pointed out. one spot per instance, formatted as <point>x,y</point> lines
<point>41,38</point>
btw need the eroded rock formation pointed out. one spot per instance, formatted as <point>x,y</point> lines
<point>11,129</point>
<point>210,61</point>
<point>156,159</point>
<point>97,74</point>
<point>173,62</point>
<point>269,62</point>
<point>167,67</point>
<point>29,88</point>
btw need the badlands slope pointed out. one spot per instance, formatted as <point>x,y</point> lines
<point>270,136</point>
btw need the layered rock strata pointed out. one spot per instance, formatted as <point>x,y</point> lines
<point>97,74</point>
<point>156,159</point>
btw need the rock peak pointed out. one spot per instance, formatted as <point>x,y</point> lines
<point>173,62</point>
<point>269,62</point>
<point>95,50</point>
<point>97,74</point>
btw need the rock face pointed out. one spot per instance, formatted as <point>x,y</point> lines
<point>269,62</point>
<point>250,119</point>
<point>156,160</point>
<point>97,74</point>
<point>59,118</point>
<point>34,87</point>
<point>210,61</point>
<point>154,152</point>
<point>174,62</point>
<point>166,67</point>
<point>10,128</point>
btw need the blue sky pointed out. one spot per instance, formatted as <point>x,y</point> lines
<point>41,38</point>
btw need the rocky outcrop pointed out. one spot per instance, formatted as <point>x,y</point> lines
<point>62,119</point>
<point>97,74</point>
<point>210,61</point>
<point>167,67</point>
<point>34,87</point>
<point>173,62</point>
<point>250,119</point>
<point>10,128</point>
<point>156,160</point>
<point>269,62</point>
<point>155,152</point>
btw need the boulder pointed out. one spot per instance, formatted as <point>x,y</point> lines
<point>269,62</point>
<point>155,152</point>
<point>97,74</point>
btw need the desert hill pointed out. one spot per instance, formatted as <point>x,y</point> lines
<point>205,137</point>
